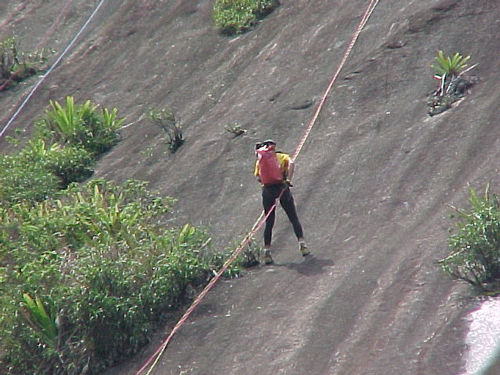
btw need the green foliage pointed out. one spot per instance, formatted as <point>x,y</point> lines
<point>453,83</point>
<point>235,129</point>
<point>66,144</point>
<point>237,16</point>
<point>16,66</point>
<point>69,164</point>
<point>22,180</point>
<point>81,125</point>
<point>39,171</point>
<point>86,271</point>
<point>106,269</point>
<point>165,119</point>
<point>8,57</point>
<point>475,248</point>
<point>37,317</point>
<point>449,66</point>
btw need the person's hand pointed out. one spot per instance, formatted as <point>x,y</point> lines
<point>288,183</point>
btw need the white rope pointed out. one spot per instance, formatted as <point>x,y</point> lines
<point>52,67</point>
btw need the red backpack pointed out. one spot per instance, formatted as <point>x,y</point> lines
<point>269,167</point>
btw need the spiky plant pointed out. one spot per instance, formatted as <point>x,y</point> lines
<point>83,125</point>
<point>449,66</point>
<point>42,322</point>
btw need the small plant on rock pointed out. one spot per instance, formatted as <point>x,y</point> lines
<point>16,66</point>
<point>475,249</point>
<point>452,82</point>
<point>166,120</point>
<point>450,66</point>
<point>235,129</point>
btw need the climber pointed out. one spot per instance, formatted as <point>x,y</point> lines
<point>274,170</point>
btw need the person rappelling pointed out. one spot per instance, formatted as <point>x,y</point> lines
<point>274,170</point>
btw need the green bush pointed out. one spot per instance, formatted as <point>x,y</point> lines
<point>475,248</point>
<point>39,171</point>
<point>16,66</point>
<point>104,269</point>
<point>23,180</point>
<point>165,119</point>
<point>65,146</point>
<point>86,272</point>
<point>81,125</point>
<point>69,164</point>
<point>237,16</point>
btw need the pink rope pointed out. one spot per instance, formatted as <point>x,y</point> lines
<point>157,354</point>
<point>366,15</point>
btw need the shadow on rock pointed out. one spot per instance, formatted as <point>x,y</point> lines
<point>310,266</point>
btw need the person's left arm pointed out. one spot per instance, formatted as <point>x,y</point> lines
<point>256,172</point>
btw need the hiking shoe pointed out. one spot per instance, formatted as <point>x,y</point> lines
<point>304,249</point>
<point>267,257</point>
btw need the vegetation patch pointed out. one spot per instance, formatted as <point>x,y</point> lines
<point>86,271</point>
<point>66,144</point>
<point>238,16</point>
<point>84,125</point>
<point>165,119</point>
<point>235,129</point>
<point>453,83</point>
<point>90,273</point>
<point>475,249</point>
<point>16,66</point>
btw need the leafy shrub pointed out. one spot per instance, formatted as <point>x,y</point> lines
<point>92,272</point>
<point>475,248</point>
<point>24,180</point>
<point>16,66</point>
<point>39,171</point>
<point>165,119</point>
<point>237,16</point>
<point>81,125</point>
<point>64,149</point>
<point>69,164</point>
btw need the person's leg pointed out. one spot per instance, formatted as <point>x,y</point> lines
<point>268,199</point>
<point>288,204</point>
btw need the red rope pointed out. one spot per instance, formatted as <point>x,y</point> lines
<point>157,354</point>
<point>366,15</point>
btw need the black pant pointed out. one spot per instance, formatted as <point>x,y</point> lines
<point>269,195</point>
